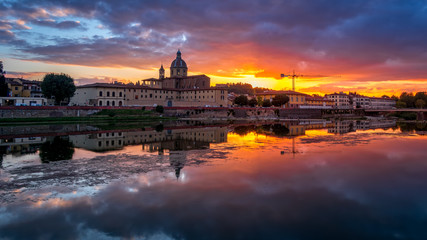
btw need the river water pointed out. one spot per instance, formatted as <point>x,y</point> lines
<point>195,180</point>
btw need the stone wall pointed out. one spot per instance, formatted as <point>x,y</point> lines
<point>41,113</point>
<point>179,112</point>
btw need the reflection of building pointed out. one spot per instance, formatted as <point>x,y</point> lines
<point>353,125</point>
<point>152,140</point>
<point>21,146</point>
<point>177,90</point>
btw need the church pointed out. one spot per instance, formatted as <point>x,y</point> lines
<point>177,90</point>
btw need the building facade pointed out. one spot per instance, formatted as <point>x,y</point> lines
<point>296,99</point>
<point>341,100</point>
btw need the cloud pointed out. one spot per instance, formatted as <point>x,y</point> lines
<point>60,25</point>
<point>263,38</point>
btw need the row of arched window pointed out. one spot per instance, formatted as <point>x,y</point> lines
<point>110,103</point>
<point>113,94</point>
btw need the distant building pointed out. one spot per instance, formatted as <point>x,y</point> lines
<point>296,99</point>
<point>360,101</point>
<point>340,99</point>
<point>177,90</point>
<point>19,87</point>
<point>318,102</point>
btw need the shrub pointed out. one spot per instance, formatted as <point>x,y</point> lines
<point>160,109</point>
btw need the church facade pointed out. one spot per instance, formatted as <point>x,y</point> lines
<point>178,90</point>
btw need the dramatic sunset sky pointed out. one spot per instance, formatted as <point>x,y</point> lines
<point>373,47</point>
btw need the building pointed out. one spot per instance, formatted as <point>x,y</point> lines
<point>318,102</point>
<point>23,101</point>
<point>382,103</point>
<point>360,101</point>
<point>340,99</point>
<point>19,87</point>
<point>177,90</point>
<point>296,99</point>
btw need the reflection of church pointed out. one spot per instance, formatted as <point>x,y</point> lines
<point>152,140</point>
<point>174,142</point>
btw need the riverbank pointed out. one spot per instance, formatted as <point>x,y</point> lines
<point>105,115</point>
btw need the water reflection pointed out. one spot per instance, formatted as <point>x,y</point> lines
<point>56,149</point>
<point>349,181</point>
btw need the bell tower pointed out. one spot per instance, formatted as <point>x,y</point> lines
<point>161,72</point>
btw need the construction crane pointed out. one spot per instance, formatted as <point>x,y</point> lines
<point>294,76</point>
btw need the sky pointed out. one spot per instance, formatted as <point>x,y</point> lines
<point>373,47</point>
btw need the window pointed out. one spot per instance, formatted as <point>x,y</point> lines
<point>120,94</point>
<point>100,93</point>
<point>108,103</point>
<point>113,103</point>
<point>100,103</point>
<point>108,94</point>
<point>114,94</point>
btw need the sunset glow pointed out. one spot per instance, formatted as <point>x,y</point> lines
<point>373,48</point>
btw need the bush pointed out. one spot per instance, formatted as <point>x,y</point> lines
<point>160,109</point>
<point>266,103</point>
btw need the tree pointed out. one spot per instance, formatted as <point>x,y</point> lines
<point>160,109</point>
<point>280,100</point>
<point>253,102</point>
<point>420,103</point>
<point>400,104</point>
<point>259,99</point>
<point>241,100</point>
<point>4,89</point>
<point>266,103</point>
<point>408,98</point>
<point>60,86</point>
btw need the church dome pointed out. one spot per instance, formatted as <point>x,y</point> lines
<point>178,62</point>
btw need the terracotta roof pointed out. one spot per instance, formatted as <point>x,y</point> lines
<point>317,99</point>
<point>281,92</point>
<point>127,86</point>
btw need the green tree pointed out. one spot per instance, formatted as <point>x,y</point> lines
<point>241,100</point>
<point>60,86</point>
<point>420,103</point>
<point>253,102</point>
<point>280,100</point>
<point>266,103</point>
<point>4,89</point>
<point>400,104</point>
<point>408,98</point>
<point>259,99</point>
<point>421,95</point>
<point>56,150</point>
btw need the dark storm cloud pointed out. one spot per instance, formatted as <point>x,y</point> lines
<point>329,35</point>
<point>60,25</point>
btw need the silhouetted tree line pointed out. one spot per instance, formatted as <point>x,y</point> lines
<point>277,101</point>
<point>244,88</point>
<point>409,100</point>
